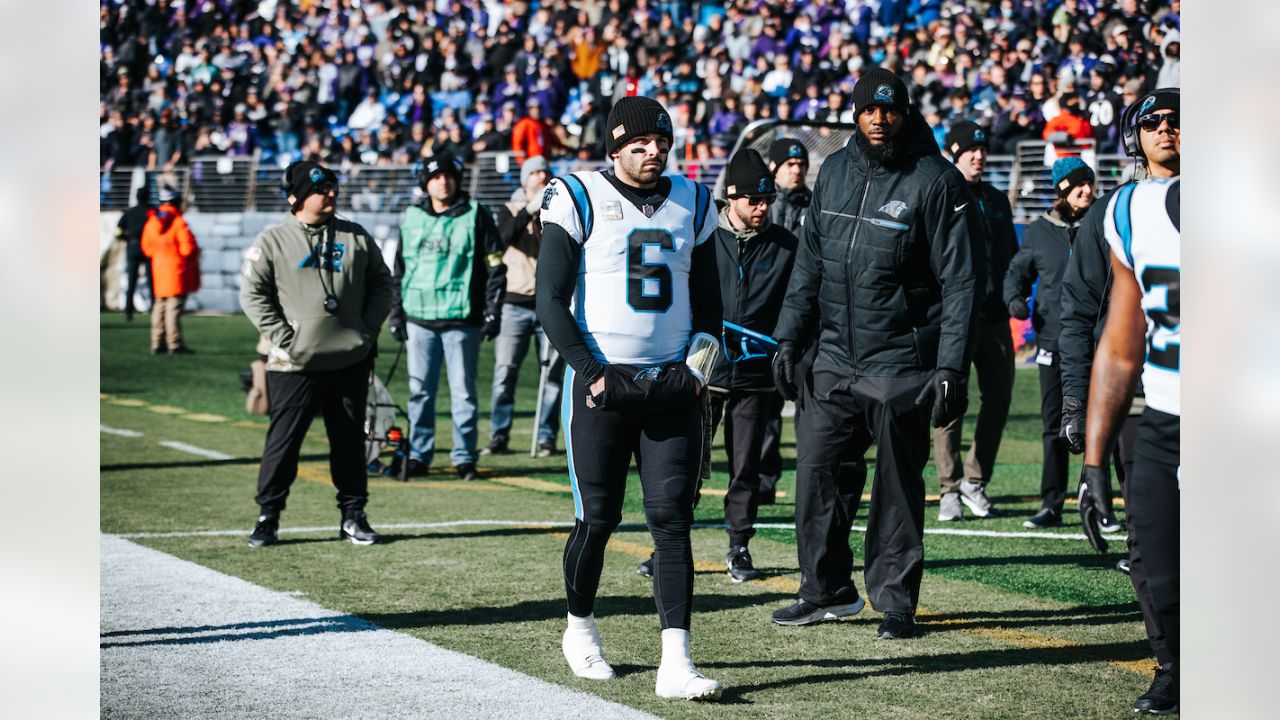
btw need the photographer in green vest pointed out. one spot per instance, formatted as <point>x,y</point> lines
<point>448,294</point>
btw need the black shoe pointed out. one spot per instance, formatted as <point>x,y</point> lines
<point>355,529</point>
<point>1123,566</point>
<point>896,626</point>
<point>645,567</point>
<point>739,562</point>
<point>264,533</point>
<point>804,612</point>
<point>1044,517</point>
<point>467,471</point>
<point>416,468</point>
<point>547,449</point>
<point>1109,524</point>
<point>182,350</point>
<point>158,351</point>
<point>1162,697</point>
<point>497,446</point>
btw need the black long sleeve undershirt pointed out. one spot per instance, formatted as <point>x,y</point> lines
<point>557,278</point>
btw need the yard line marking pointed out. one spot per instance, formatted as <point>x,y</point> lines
<point>318,473</point>
<point>167,410</point>
<point>193,450</point>
<point>204,417</point>
<point>119,431</point>
<point>943,531</point>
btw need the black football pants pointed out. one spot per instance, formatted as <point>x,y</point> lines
<point>842,417</point>
<point>295,397</point>
<point>746,417</point>
<point>1152,508</point>
<point>667,447</point>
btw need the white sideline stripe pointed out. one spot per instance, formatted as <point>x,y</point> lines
<point>192,449</point>
<point>119,431</point>
<point>556,524</point>
<point>181,640</point>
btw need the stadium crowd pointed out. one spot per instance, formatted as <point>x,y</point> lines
<point>392,81</point>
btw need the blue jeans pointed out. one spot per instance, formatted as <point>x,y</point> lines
<point>519,324</point>
<point>459,348</point>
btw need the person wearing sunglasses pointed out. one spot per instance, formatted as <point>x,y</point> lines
<point>1151,134</point>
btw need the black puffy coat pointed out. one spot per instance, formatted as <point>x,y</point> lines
<point>889,265</point>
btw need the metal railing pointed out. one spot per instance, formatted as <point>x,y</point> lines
<point>244,184</point>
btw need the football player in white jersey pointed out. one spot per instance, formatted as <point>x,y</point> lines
<point>1143,335</point>
<point>626,279</point>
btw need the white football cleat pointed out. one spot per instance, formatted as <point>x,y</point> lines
<point>586,659</point>
<point>686,683</point>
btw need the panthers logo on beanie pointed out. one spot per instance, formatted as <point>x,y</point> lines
<point>664,122</point>
<point>1147,104</point>
<point>884,93</point>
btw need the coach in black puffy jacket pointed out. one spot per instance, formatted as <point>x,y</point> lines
<point>888,269</point>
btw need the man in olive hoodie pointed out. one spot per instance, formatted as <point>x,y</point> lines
<point>318,289</point>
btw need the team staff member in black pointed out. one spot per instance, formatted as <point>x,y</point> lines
<point>1046,246</point>
<point>1156,144</point>
<point>888,268</point>
<point>318,289</point>
<point>129,230</point>
<point>966,484</point>
<point>754,259</point>
<point>626,278</point>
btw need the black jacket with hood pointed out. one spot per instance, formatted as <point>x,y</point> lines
<point>789,208</point>
<point>889,266</point>
<point>754,267</point>
<point>1046,247</point>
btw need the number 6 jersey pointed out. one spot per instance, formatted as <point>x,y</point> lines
<point>631,303</point>
<point>1142,226</point>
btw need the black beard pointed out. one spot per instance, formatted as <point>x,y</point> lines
<point>883,154</point>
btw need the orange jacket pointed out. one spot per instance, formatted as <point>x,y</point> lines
<point>1075,126</point>
<point>527,138</point>
<point>175,256</point>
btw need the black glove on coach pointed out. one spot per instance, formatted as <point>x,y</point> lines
<point>784,370</point>
<point>1095,501</point>
<point>398,329</point>
<point>1018,309</point>
<point>1073,415</point>
<point>950,397</point>
<point>492,326</point>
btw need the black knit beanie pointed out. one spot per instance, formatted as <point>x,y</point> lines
<point>964,135</point>
<point>1158,99</point>
<point>302,177</point>
<point>634,116</point>
<point>785,149</point>
<point>880,87</point>
<point>746,174</point>
<point>440,163</point>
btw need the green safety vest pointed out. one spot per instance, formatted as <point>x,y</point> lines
<point>439,259</point>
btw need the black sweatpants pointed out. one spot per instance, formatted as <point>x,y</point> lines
<point>746,417</point>
<point>134,262</point>
<point>1152,507</point>
<point>667,447</point>
<point>842,417</point>
<point>1053,475</point>
<point>295,397</point>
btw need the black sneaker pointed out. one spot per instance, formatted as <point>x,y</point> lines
<point>1044,517</point>
<point>804,612</point>
<point>1162,697</point>
<point>497,446</point>
<point>355,529</point>
<point>547,449</point>
<point>1123,566</point>
<point>1109,524</point>
<point>416,468</point>
<point>739,562</point>
<point>264,533</point>
<point>896,626</point>
<point>645,567</point>
<point>467,471</point>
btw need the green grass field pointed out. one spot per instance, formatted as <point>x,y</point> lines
<point>1014,627</point>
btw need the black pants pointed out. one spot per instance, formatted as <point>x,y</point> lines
<point>746,418</point>
<point>1152,507</point>
<point>771,452</point>
<point>134,261</point>
<point>295,397</point>
<point>1122,460</point>
<point>1053,475</point>
<point>842,417</point>
<point>667,447</point>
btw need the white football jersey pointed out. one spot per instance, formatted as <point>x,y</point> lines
<point>632,298</point>
<point>1142,226</point>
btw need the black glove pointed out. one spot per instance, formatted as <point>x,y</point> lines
<point>1095,502</point>
<point>492,326</point>
<point>1018,309</point>
<point>1073,415</point>
<point>950,397</point>
<point>399,330</point>
<point>784,370</point>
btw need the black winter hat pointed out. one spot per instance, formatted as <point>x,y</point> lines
<point>302,177</point>
<point>746,174</point>
<point>880,87</point>
<point>964,135</point>
<point>440,163</point>
<point>785,149</point>
<point>634,116</point>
